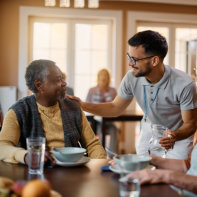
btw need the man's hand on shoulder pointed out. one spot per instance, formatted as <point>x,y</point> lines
<point>74,98</point>
<point>81,103</point>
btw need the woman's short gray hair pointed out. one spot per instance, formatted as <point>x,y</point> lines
<point>37,70</point>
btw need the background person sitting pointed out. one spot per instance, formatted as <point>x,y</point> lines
<point>48,114</point>
<point>69,90</point>
<point>104,93</point>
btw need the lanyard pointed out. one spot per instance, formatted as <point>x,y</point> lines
<point>145,102</point>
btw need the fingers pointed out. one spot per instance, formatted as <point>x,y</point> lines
<point>73,97</point>
<point>112,162</point>
<point>49,158</point>
<point>69,96</point>
<point>168,142</point>
<point>142,175</point>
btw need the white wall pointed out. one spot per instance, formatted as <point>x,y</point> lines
<point>7,97</point>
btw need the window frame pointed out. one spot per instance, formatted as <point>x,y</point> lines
<point>26,12</point>
<point>71,40</point>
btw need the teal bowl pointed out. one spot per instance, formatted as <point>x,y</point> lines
<point>68,154</point>
<point>132,162</point>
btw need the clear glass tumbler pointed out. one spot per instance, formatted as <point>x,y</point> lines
<point>129,187</point>
<point>36,151</point>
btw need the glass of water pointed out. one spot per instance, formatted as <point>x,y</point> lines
<point>129,187</point>
<point>36,151</point>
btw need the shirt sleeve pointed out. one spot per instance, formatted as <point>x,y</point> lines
<point>9,138</point>
<point>188,97</point>
<point>88,139</point>
<point>125,89</point>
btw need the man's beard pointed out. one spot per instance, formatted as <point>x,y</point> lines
<point>142,74</point>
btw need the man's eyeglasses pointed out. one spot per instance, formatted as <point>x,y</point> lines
<point>134,60</point>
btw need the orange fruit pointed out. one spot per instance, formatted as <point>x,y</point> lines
<point>36,188</point>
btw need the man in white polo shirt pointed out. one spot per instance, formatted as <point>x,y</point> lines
<point>166,95</point>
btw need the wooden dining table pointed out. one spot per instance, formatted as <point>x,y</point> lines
<point>83,181</point>
<point>126,116</point>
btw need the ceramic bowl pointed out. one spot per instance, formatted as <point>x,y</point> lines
<point>68,154</point>
<point>132,162</point>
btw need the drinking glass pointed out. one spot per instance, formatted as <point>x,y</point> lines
<point>36,151</point>
<point>129,187</point>
<point>158,131</point>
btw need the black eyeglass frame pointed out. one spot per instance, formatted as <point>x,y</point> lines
<point>133,60</point>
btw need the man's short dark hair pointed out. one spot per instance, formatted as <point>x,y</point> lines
<point>37,70</point>
<point>153,43</point>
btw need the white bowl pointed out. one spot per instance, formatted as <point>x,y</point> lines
<point>68,154</point>
<point>132,162</point>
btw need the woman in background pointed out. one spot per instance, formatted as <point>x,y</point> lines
<point>104,93</point>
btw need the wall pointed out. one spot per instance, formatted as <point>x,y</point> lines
<point>9,29</point>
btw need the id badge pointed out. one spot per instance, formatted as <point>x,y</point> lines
<point>142,144</point>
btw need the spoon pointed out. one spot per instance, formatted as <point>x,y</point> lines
<point>110,153</point>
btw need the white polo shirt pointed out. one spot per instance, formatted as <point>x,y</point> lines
<point>176,91</point>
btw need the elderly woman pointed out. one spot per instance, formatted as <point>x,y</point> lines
<point>46,113</point>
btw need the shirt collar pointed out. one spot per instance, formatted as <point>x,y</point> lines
<point>163,81</point>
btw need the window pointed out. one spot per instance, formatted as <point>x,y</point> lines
<point>50,42</point>
<point>164,31</point>
<point>184,43</point>
<point>79,47</point>
<point>186,49</point>
<point>67,26</point>
<point>180,31</point>
<point>92,52</point>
